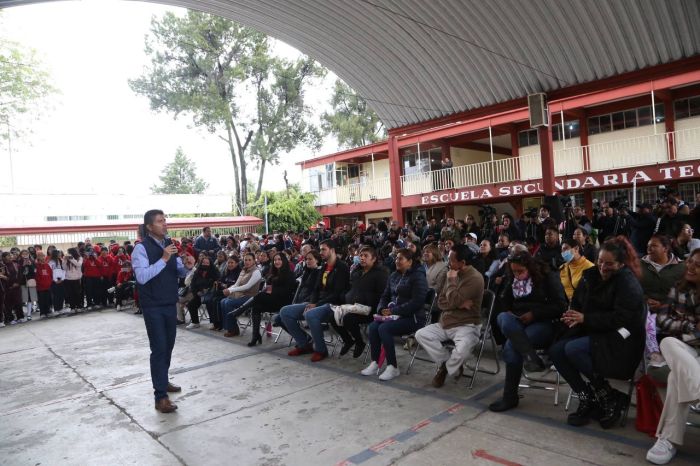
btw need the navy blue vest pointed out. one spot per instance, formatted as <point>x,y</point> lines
<point>160,290</point>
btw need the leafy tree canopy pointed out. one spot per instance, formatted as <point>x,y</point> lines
<point>352,122</point>
<point>179,177</point>
<point>287,210</point>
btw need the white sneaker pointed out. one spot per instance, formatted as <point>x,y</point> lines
<point>111,290</point>
<point>14,322</point>
<point>22,320</point>
<point>191,326</point>
<point>389,373</point>
<point>662,452</point>
<point>119,307</point>
<point>372,369</point>
<point>2,324</point>
<point>657,360</point>
<point>28,318</point>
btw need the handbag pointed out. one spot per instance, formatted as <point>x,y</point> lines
<point>649,406</point>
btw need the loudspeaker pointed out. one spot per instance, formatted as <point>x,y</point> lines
<point>537,106</point>
<point>556,209</point>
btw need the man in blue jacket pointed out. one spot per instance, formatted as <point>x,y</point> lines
<point>157,267</point>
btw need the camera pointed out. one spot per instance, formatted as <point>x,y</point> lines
<point>487,211</point>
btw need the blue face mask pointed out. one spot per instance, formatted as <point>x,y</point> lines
<point>356,260</point>
<point>568,255</point>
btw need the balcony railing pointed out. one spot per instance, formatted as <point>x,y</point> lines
<point>368,190</point>
<point>639,151</point>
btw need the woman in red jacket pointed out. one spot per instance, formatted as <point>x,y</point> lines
<point>44,278</point>
<point>106,263</point>
<point>92,273</point>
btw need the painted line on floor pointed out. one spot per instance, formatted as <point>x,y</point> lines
<point>493,458</point>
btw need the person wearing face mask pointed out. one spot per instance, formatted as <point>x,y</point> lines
<point>530,303</point>
<point>573,267</point>
<point>605,336</point>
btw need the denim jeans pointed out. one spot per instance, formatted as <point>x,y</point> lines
<point>226,306</point>
<point>161,328</point>
<point>383,333</point>
<point>572,357</point>
<point>540,335</point>
<point>315,318</point>
<point>291,315</point>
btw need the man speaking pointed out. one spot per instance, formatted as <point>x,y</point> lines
<point>157,268</point>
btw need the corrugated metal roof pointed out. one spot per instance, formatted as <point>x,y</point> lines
<point>415,60</point>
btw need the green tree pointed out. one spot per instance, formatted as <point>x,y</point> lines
<point>205,66</point>
<point>282,118</point>
<point>287,210</point>
<point>179,177</point>
<point>24,88</point>
<point>352,122</point>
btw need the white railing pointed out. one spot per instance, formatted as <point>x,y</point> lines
<point>357,192</point>
<point>686,143</point>
<point>643,150</point>
<point>639,151</point>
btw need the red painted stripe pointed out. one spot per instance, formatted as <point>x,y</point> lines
<point>488,456</point>
<point>421,425</point>
<point>384,444</point>
<point>456,408</point>
<point>344,463</point>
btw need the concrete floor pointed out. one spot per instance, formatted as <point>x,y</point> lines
<point>77,390</point>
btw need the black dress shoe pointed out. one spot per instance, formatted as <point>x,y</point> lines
<point>504,404</point>
<point>256,339</point>
<point>359,349</point>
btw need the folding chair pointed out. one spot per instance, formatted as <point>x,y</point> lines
<point>487,304</point>
<point>245,326</point>
<point>430,303</point>
<point>547,383</point>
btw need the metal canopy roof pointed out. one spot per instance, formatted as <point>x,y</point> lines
<point>416,60</point>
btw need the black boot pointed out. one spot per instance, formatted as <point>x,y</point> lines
<point>522,345</point>
<point>612,403</point>
<point>510,391</point>
<point>588,408</point>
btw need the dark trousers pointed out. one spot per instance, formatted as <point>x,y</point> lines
<point>161,328</point>
<point>123,291</point>
<point>74,293</point>
<point>350,330</point>
<point>572,357</point>
<point>193,307</point>
<point>93,290</point>
<point>44,298</point>
<point>383,333</point>
<point>58,295</point>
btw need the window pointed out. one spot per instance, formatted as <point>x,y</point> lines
<point>528,138</point>
<point>428,160</point>
<point>571,130</point>
<point>685,108</point>
<point>112,217</point>
<point>631,118</point>
<point>52,218</point>
<point>353,171</point>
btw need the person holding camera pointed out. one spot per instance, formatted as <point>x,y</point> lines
<point>575,218</point>
<point>609,223</point>
<point>641,227</point>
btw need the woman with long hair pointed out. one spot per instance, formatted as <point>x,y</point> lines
<point>684,243</point>
<point>588,250</point>
<point>605,334</point>
<point>367,283</point>
<point>530,302</point>
<point>58,292</point>
<point>401,306</point>
<point>205,275</point>
<point>278,292</point>
<point>73,266</point>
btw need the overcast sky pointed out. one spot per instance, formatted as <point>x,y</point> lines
<point>100,137</point>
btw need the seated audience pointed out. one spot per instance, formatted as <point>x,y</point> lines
<point>402,305</point>
<point>605,334</point>
<point>460,316</point>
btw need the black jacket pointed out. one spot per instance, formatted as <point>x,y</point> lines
<point>336,284</point>
<point>203,279</point>
<point>309,279</point>
<point>550,256</point>
<point>608,306</point>
<point>367,288</point>
<point>546,302</point>
<point>407,291</point>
